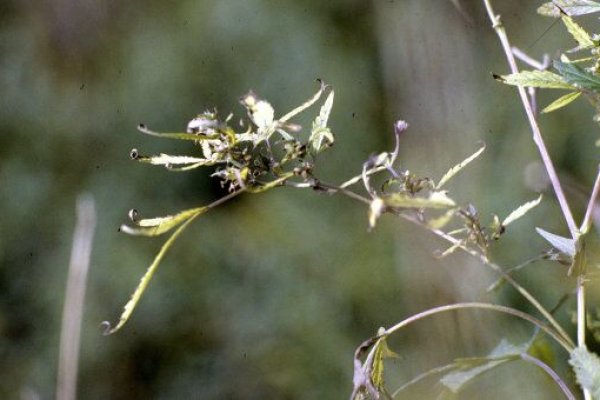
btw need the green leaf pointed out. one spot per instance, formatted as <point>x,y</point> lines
<point>587,370</point>
<point>305,105</point>
<point>380,353</point>
<point>470,368</point>
<point>141,288</point>
<point>579,34</point>
<point>577,76</point>
<point>158,226</point>
<point>561,102</point>
<point>562,244</point>
<point>321,136</point>
<point>435,200</point>
<point>181,136</point>
<point>539,79</point>
<point>571,7</point>
<point>521,211</point>
<point>456,169</point>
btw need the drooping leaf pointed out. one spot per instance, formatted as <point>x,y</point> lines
<point>571,7</point>
<point>381,352</point>
<point>538,79</point>
<point>141,288</point>
<point>435,200</point>
<point>305,105</point>
<point>158,226</point>
<point>562,244</point>
<point>521,211</point>
<point>561,102</point>
<point>470,368</point>
<point>579,34</point>
<point>577,76</point>
<point>586,366</point>
<point>456,169</point>
<point>168,135</point>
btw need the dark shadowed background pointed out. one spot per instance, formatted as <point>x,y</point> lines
<point>268,295</point>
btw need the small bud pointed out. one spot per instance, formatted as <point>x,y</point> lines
<point>400,126</point>
<point>134,154</point>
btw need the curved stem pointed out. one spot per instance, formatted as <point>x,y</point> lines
<point>483,306</point>
<point>563,386</point>
<point>483,258</point>
<point>524,292</point>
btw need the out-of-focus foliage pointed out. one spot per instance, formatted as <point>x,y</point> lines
<point>268,298</point>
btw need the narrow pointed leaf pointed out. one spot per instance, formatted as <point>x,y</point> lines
<point>168,135</point>
<point>587,370</point>
<point>158,226</point>
<point>577,76</point>
<point>470,368</point>
<point>305,105</point>
<point>435,200</point>
<point>141,288</point>
<point>456,169</point>
<point>561,102</point>
<point>571,7</point>
<point>579,34</point>
<point>538,79</point>
<point>521,211</point>
<point>381,352</point>
<point>562,244</point>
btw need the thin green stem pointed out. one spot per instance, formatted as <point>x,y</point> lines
<point>524,292</point>
<point>486,261</point>
<point>483,306</point>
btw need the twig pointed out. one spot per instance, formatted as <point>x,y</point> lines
<point>524,292</point>
<point>563,386</point>
<point>70,333</point>
<point>535,129</point>
<point>484,306</point>
<point>587,220</point>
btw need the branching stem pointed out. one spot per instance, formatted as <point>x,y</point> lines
<point>535,129</point>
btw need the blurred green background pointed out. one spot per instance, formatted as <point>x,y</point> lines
<point>269,295</point>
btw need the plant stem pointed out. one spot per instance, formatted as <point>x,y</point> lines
<point>484,306</point>
<point>70,332</point>
<point>563,386</point>
<point>539,141</point>
<point>524,292</point>
<point>589,213</point>
<point>535,129</point>
<point>585,227</point>
<point>486,261</point>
